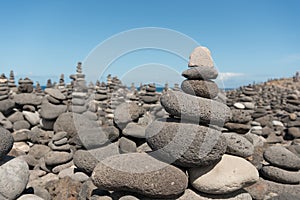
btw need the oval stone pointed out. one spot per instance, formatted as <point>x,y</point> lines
<point>200,88</point>
<point>140,173</point>
<point>196,109</point>
<point>187,145</point>
<point>230,174</point>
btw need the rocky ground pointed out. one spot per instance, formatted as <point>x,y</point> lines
<point>105,141</point>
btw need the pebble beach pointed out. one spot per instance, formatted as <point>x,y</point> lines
<point>107,141</point>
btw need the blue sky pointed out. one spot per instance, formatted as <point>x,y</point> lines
<point>249,40</point>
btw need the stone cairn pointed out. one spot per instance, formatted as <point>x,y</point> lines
<point>191,137</point>
<point>150,97</point>
<point>4,89</point>
<point>49,84</point>
<point>25,86</point>
<point>11,82</point>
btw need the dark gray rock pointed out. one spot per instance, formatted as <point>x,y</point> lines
<point>149,99</point>
<point>6,105</point>
<point>87,160</point>
<point>6,142</point>
<point>200,73</point>
<point>196,109</point>
<point>238,128</point>
<point>241,116</point>
<point>187,145</point>
<point>50,111</point>
<point>140,173</point>
<point>281,157</point>
<point>206,89</point>
<point>238,145</point>
<point>281,175</point>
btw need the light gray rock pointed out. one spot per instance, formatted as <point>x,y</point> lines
<point>55,93</point>
<point>30,197</point>
<point>201,56</point>
<point>127,112</point>
<point>27,99</point>
<point>230,174</point>
<point>14,178</point>
<point>196,109</point>
<point>32,117</point>
<point>56,158</point>
<point>140,173</point>
<point>50,111</point>
<point>134,130</point>
<point>126,145</point>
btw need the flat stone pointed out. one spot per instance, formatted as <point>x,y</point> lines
<point>238,145</point>
<point>230,174</point>
<point>126,145</point>
<point>134,130</point>
<point>27,99</point>
<point>196,109</point>
<point>59,136</point>
<point>6,142</point>
<point>201,56</point>
<point>20,135</point>
<point>141,174</point>
<point>206,89</point>
<point>50,111</point>
<point>38,151</point>
<point>294,131</point>
<point>32,117</point>
<point>238,128</point>
<point>55,93</point>
<point>281,175</point>
<point>200,73</point>
<point>14,178</point>
<point>192,195</point>
<point>16,116</point>
<point>149,99</point>
<point>239,105</point>
<point>187,145</point>
<point>23,124</point>
<point>281,157</point>
<point>57,158</point>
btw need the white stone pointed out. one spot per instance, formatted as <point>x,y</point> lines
<point>32,118</point>
<point>230,174</point>
<point>239,106</point>
<point>30,197</point>
<point>277,123</point>
<point>22,146</point>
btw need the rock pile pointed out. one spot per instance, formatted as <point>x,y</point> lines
<point>11,82</point>
<point>25,86</point>
<point>4,89</point>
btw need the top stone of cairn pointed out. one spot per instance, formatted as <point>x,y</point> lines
<point>201,57</point>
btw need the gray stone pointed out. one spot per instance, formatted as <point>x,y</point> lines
<point>140,173</point>
<point>30,197</point>
<point>134,130</point>
<point>191,195</point>
<point>27,99</point>
<point>238,128</point>
<point>16,116</point>
<point>47,124</point>
<point>241,116</point>
<point>23,124</point>
<point>38,151</point>
<point>127,112</point>
<point>20,135</point>
<point>187,145</point>
<point>238,145</point>
<point>281,157</point>
<point>201,88</point>
<point>230,174</point>
<point>14,178</point>
<point>57,158</point>
<point>196,109</point>
<point>50,111</point>
<point>200,73</point>
<point>6,105</point>
<point>55,93</point>
<point>6,142</point>
<point>126,145</point>
<point>71,122</point>
<point>87,160</point>
<point>281,175</point>
<point>32,117</point>
<point>59,136</point>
